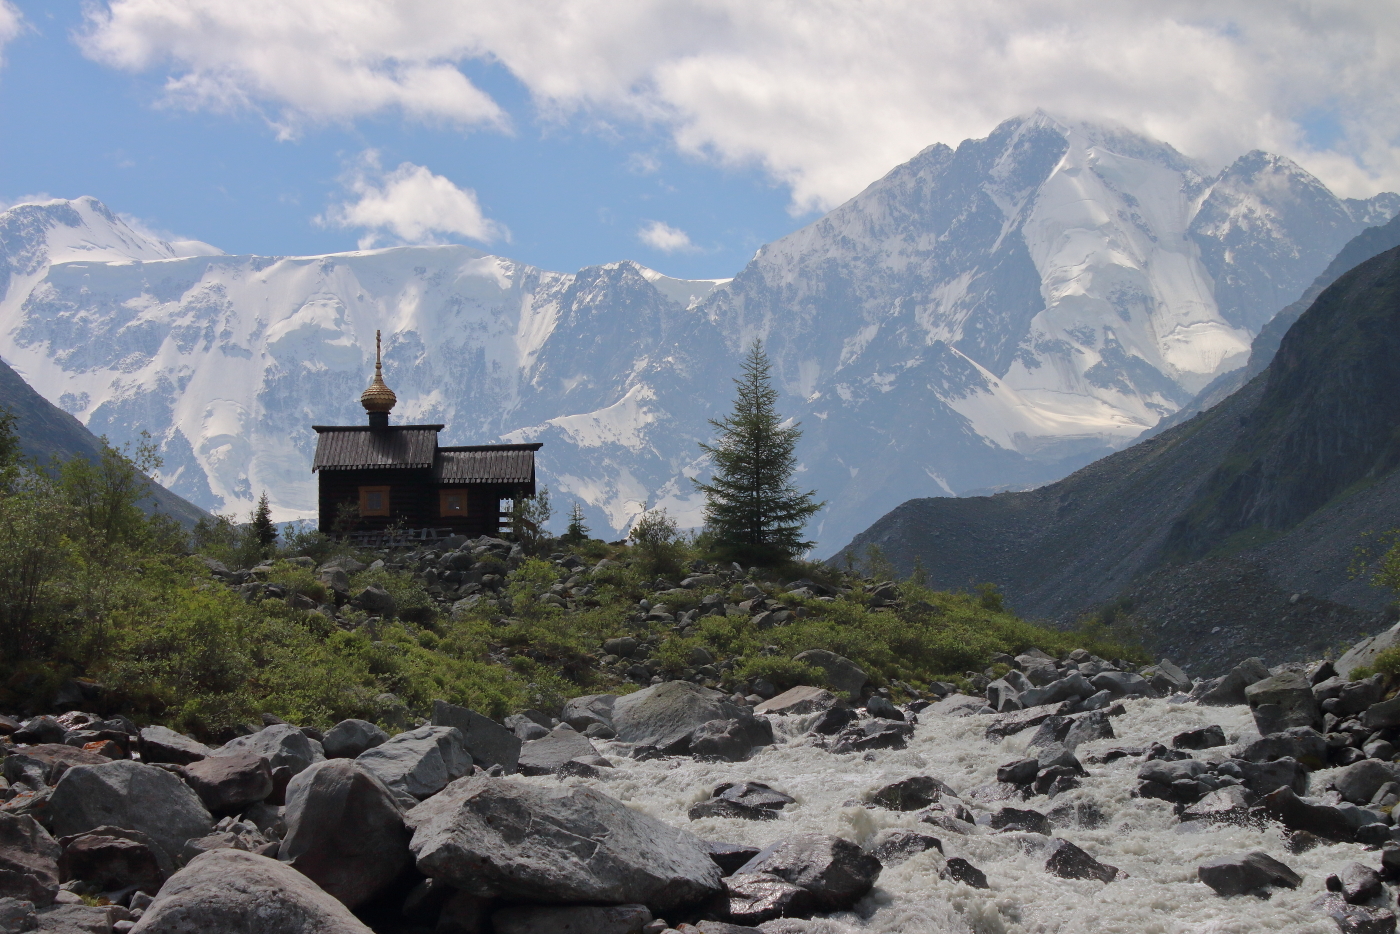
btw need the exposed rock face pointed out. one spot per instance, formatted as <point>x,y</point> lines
<point>841,673</point>
<point>232,892</point>
<point>161,744</point>
<point>420,762</point>
<point>345,831</point>
<point>280,744</point>
<point>131,796</point>
<point>547,755</point>
<point>756,897</point>
<point>28,860</point>
<point>114,859</point>
<point>497,837</point>
<point>1283,701</point>
<point>799,700</point>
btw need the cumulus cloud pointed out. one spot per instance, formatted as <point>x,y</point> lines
<point>411,205</point>
<point>662,236</point>
<point>825,97</point>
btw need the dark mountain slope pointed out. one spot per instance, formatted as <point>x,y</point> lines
<point>1265,496</point>
<point>46,432</point>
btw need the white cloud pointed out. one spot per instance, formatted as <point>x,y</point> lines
<point>411,204</point>
<point>826,97</point>
<point>662,236</point>
<point>11,24</point>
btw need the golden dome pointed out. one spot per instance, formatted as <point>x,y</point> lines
<point>378,397</point>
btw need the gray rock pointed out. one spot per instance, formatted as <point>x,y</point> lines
<point>841,673</point>
<point>1168,771</point>
<point>730,740</point>
<point>911,794</point>
<point>582,712</point>
<point>75,919</point>
<point>232,892</point>
<point>1356,883</point>
<point>1355,919</point>
<point>957,869</point>
<point>622,647</point>
<point>803,699</point>
<point>227,784</point>
<point>1070,687</point>
<point>896,845</point>
<point>1356,696</point>
<point>1359,782</point>
<point>113,859</point>
<point>1321,820</point>
<point>665,715</point>
<point>348,738</point>
<point>878,706</point>
<point>546,756</point>
<point>494,837</point>
<point>40,731</point>
<point>873,734</point>
<point>575,919</point>
<point>1365,651</point>
<point>834,871</point>
<point>1282,701</point>
<point>1229,690</point>
<point>420,762</point>
<point>1302,743</point>
<point>280,744</point>
<point>1246,873</point>
<point>1382,715</point>
<point>1070,862</point>
<point>730,856</point>
<point>1261,778</point>
<point>1087,729</point>
<point>486,741</point>
<point>1024,820</point>
<point>1020,772</point>
<point>376,601</point>
<point>131,796</point>
<point>1169,679</point>
<point>345,831</point>
<point>756,897</point>
<point>17,915</point>
<point>161,744</point>
<point>1228,805</point>
<point>28,860</point>
<point>1207,737</point>
<point>1122,684</point>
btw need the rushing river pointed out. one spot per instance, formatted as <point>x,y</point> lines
<point>1161,894</point>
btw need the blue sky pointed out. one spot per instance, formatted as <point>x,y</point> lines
<point>679,133</point>
<point>571,192</point>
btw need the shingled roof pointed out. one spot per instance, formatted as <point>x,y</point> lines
<point>486,463</point>
<point>356,448</point>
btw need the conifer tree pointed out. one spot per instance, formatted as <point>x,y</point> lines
<point>264,532</point>
<point>752,509</point>
<point>577,533</point>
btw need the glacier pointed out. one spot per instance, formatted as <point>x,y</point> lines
<point>986,317</point>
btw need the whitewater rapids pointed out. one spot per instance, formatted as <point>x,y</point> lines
<point>1161,894</point>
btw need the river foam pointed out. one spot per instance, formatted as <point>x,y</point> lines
<point>1161,894</point>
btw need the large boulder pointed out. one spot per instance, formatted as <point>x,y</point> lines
<point>1322,820</point>
<point>227,784</point>
<point>28,860</point>
<point>1229,690</point>
<point>582,712</point>
<point>345,831</point>
<point>486,741</point>
<point>233,892</point>
<point>420,762</point>
<point>162,744</point>
<point>1365,651</point>
<point>755,897</point>
<point>730,740</point>
<point>802,699</point>
<point>547,755</point>
<point>348,738</point>
<point>498,837</point>
<point>1283,701</point>
<point>833,871</point>
<point>841,673</point>
<point>280,744</point>
<point>45,763</point>
<point>131,796</point>
<point>1359,782</point>
<point>665,715</point>
<point>1246,873</point>
<point>113,859</point>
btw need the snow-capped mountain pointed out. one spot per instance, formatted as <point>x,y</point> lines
<point>994,315</point>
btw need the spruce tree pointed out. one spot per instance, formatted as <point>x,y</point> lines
<point>752,509</point>
<point>577,533</point>
<point>264,532</point>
